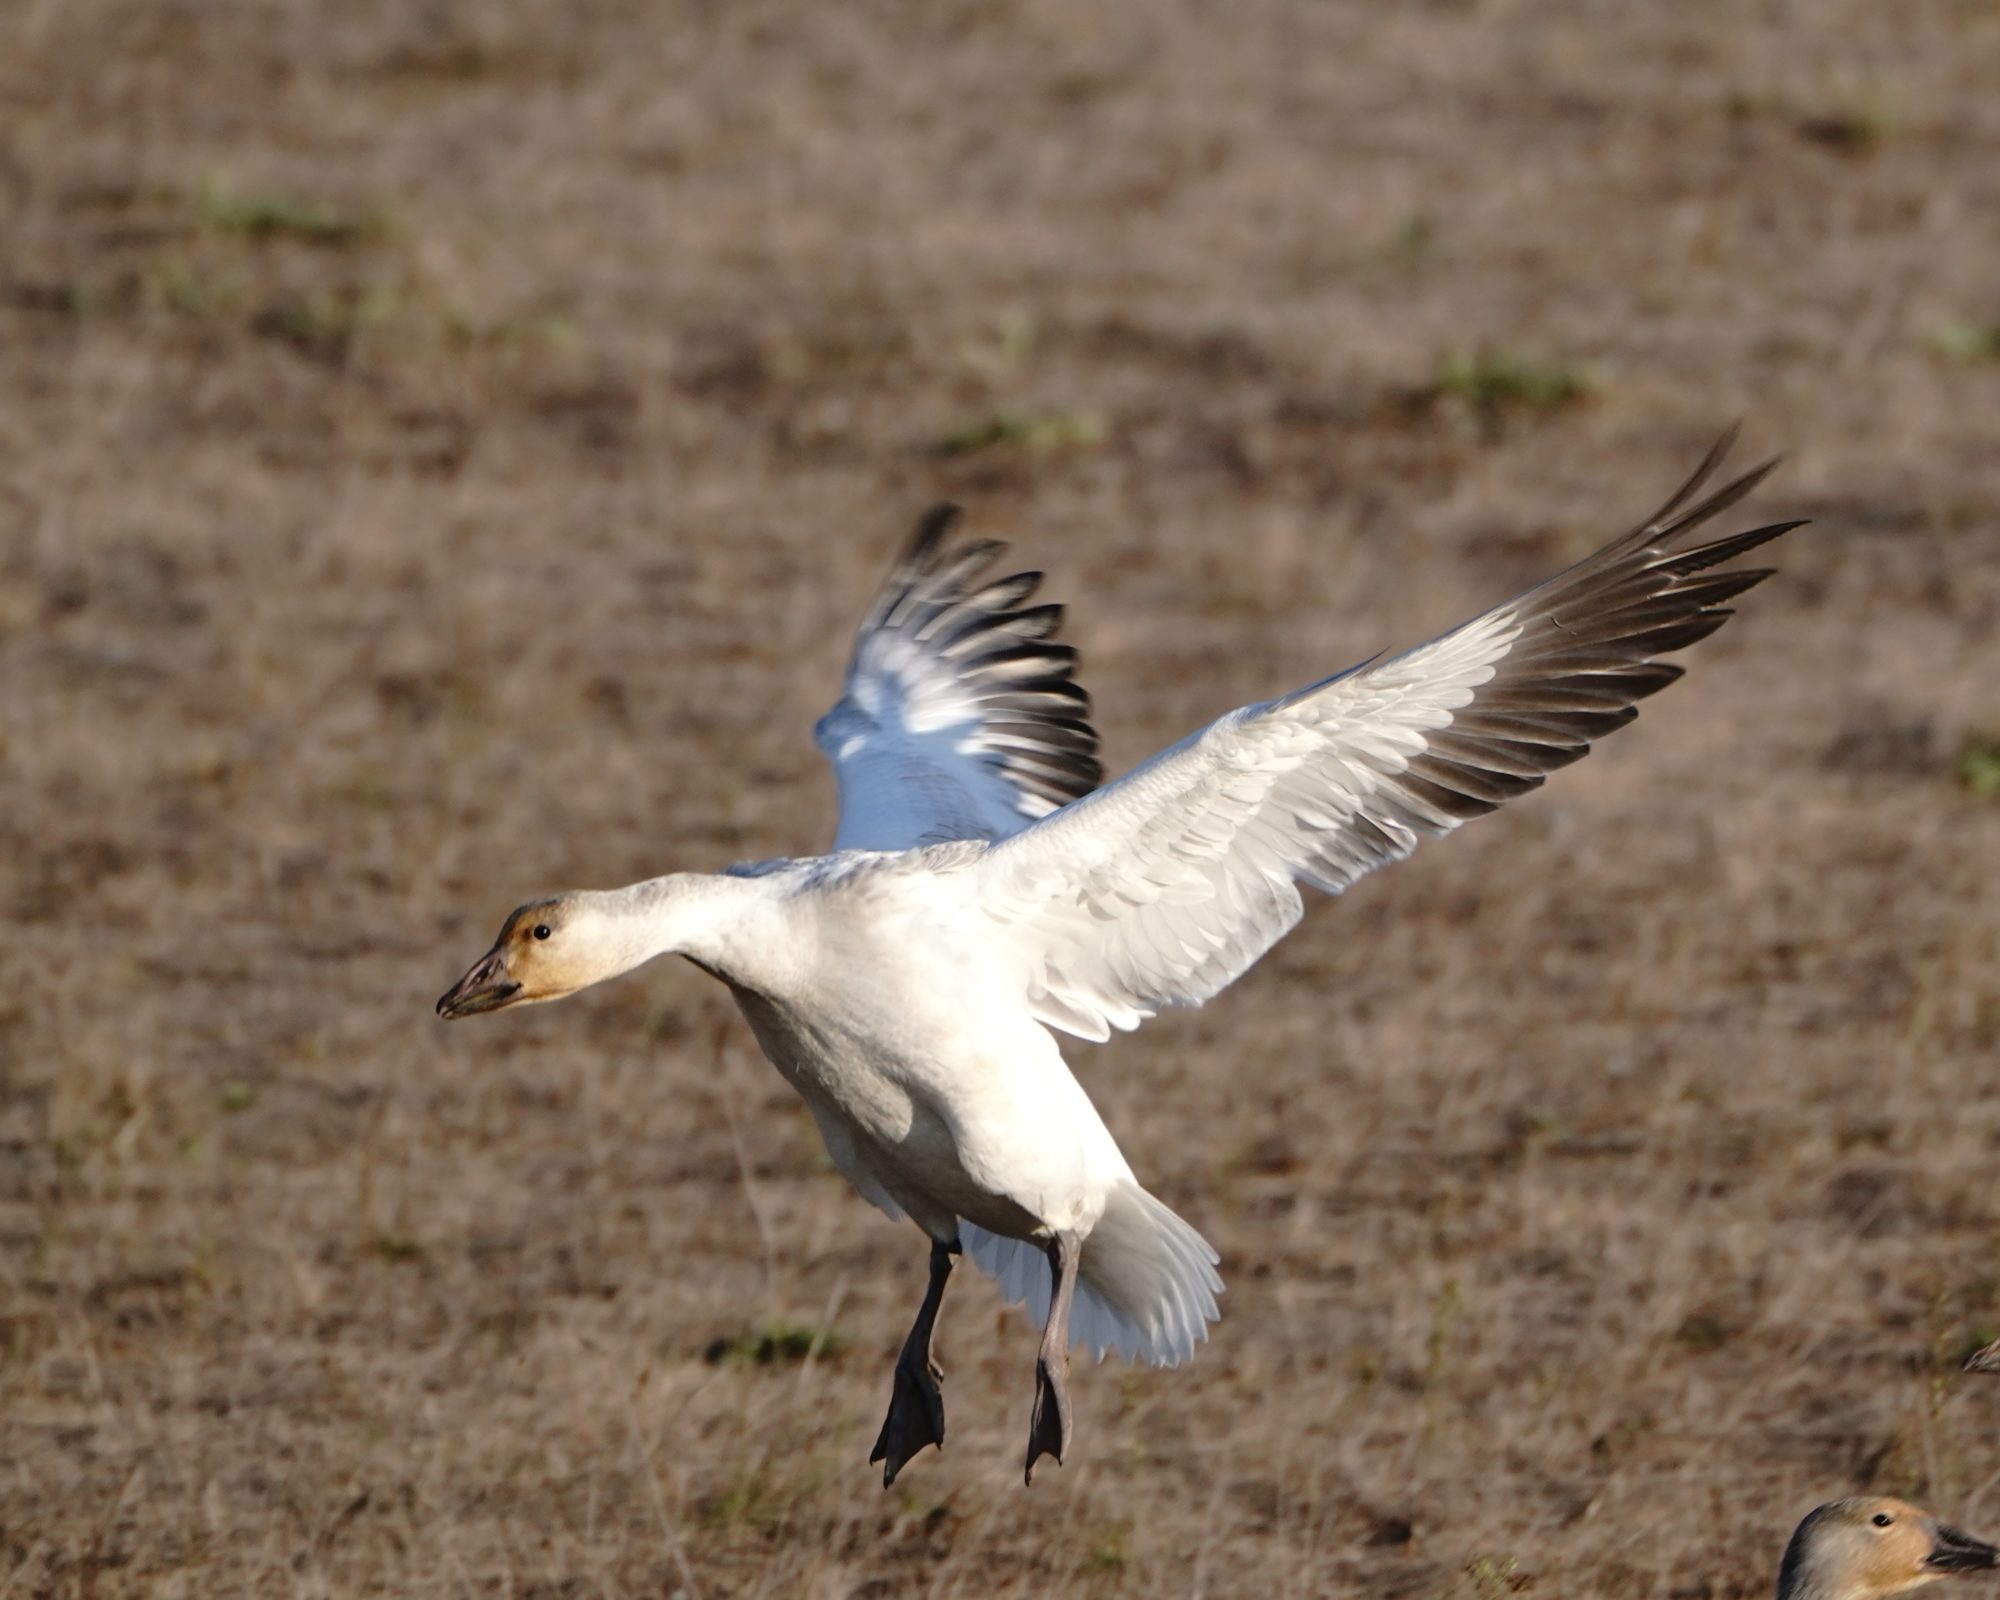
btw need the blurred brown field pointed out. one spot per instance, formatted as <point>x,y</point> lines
<point>443,448</point>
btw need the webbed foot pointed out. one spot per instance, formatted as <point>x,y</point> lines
<point>916,1416</point>
<point>1049,1430</point>
<point>916,1404</point>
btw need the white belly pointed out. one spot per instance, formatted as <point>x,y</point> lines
<point>963,1121</point>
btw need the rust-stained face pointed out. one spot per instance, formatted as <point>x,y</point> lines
<point>530,961</point>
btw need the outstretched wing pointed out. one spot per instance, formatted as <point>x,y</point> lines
<point>1164,887</point>
<point>960,718</point>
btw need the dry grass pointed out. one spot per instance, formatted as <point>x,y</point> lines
<point>441,449</point>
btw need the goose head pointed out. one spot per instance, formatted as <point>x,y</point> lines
<point>1869,1547</point>
<point>546,949</point>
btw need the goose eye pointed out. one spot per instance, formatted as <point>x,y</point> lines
<point>1881,1519</point>
<point>541,930</point>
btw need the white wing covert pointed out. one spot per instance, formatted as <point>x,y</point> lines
<point>1164,887</point>
<point>960,717</point>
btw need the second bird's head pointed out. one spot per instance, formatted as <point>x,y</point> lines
<point>1868,1547</point>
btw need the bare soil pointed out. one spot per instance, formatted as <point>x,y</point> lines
<point>442,451</point>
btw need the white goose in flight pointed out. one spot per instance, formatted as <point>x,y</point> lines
<point>984,895</point>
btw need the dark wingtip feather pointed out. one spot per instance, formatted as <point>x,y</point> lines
<point>1000,649</point>
<point>1715,504</point>
<point>1717,551</point>
<point>929,533</point>
<point>1717,454</point>
<point>1590,644</point>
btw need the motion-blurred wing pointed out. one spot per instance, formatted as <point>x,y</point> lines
<point>960,719</point>
<point>1162,888</point>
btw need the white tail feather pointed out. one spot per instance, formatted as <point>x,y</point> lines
<point>1146,1285</point>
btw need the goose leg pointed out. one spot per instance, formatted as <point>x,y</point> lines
<point>916,1405</point>
<point>1048,1432</point>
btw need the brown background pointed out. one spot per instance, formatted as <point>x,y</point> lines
<point>442,449</point>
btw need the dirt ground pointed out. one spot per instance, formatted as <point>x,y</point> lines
<point>442,451</point>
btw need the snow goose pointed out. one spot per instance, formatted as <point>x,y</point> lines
<point>984,895</point>
<point>1866,1548</point>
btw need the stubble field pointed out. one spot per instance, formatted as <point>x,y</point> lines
<point>442,452</point>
